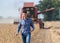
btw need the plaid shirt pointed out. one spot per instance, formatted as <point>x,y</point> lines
<point>25,24</point>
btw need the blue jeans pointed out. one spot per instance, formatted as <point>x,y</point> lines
<point>26,38</point>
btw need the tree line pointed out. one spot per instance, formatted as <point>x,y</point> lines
<point>46,4</point>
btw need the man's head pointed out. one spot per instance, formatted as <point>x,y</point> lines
<point>24,15</point>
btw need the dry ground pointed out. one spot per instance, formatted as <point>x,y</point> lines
<point>51,33</point>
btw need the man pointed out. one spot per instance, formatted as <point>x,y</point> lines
<point>25,23</point>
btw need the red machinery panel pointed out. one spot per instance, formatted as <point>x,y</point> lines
<point>28,4</point>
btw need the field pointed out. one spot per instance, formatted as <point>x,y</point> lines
<point>51,33</point>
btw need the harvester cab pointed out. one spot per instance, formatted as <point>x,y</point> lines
<point>30,10</point>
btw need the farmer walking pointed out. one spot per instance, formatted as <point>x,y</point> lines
<point>25,25</point>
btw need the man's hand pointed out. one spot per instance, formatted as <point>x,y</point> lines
<point>17,34</point>
<point>32,30</point>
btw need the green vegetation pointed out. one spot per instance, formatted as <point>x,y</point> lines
<point>46,4</point>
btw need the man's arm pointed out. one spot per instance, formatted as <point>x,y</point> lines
<point>18,29</point>
<point>32,25</point>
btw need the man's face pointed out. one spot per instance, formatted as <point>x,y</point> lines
<point>25,15</point>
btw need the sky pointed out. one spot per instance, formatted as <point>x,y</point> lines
<point>10,7</point>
